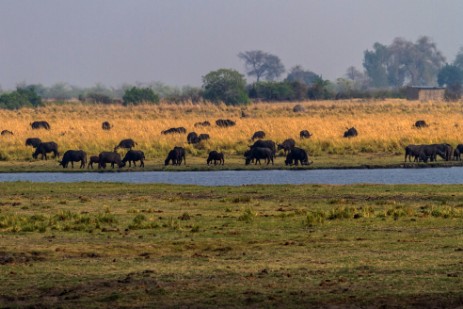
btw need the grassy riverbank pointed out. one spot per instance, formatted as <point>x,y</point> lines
<point>234,162</point>
<point>108,245</point>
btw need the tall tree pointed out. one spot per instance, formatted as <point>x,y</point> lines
<point>451,76</point>
<point>458,62</point>
<point>225,85</point>
<point>262,65</point>
<point>298,74</point>
<point>404,62</point>
<point>374,63</point>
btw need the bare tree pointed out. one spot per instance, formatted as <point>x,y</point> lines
<point>262,65</point>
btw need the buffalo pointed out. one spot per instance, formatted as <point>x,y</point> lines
<point>305,134</point>
<point>106,126</point>
<point>457,152</point>
<point>109,157</point>
<point>215,156</point>
<point>287,145</point>
<point>258,135</point>
<point>192,138</point>
<point>258,153</point>
<point>176,155</point>
<point>6,132</point>
<point>202,124</point>
<point>174,130</point>
<point>224,123</point>
<point>126,143</point>
<point>133,156</point>
<point>33,141</point>
<point>40,125</point>
<point>74,156</point>
<point>203,137</point>
<point>44,148</point>
<point>420,124</point>
<point>445,151</point>
<point>93,159</point>
<point>412,151</point>
<point>428,152</point>
<point>352,132</point>
<point>265,144</point>
<point>297,155</point>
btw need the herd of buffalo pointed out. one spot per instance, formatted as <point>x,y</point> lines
<point>261,149</point>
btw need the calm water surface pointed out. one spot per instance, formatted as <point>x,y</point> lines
<point>453,175</point>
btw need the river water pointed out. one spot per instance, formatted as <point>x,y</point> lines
<point>452,175</point>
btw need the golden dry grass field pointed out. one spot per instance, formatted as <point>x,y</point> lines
<point>384,126</point>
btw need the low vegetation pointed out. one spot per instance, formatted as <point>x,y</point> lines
<point>384,128</point>
<point>116,245</point>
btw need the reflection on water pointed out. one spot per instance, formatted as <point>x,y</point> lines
<point>451,175</point>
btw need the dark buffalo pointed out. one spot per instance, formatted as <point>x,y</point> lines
<point>199,138</point>
<point>33,141</point>
<point>74,156</point>
<point>215,156</point>
<point>287,145</point>
<point>109,157</point>
<point>445,151</point>
<point>297,155</point>
<point>179,130</point>
<point>202,124</point>
<point>305,134</point>
<point>420,124</point>
<point>457,152</point>
<point>203,137</point>
<point>132,156</point>
<point>93,159</point>
<point>265,144</point>
<point>258,153</point>
<point>192,137</point>
<point>106,126</point>
<point>40,125</point>
<point>412,151</point>
<point>126,143</point>
<point>6,132</point>
<point>426,152</point>
<point>44,148</point>
<point>176,155</point>
<point>258,135</point>
<point>351,132</point>
<point>224,123</point>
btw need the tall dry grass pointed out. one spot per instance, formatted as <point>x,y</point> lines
<point>383,126</point>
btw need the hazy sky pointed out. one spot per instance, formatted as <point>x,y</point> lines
<point>84,42</point>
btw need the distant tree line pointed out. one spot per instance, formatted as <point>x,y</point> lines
<point>387,71</point>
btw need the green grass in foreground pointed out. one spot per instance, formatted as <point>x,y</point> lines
<point>115,245</point>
